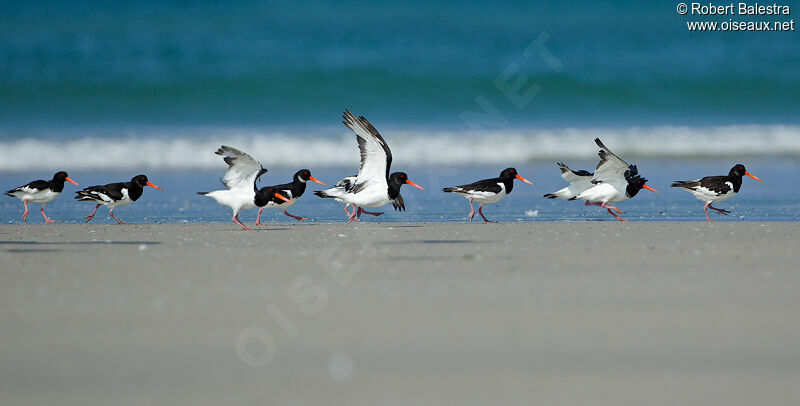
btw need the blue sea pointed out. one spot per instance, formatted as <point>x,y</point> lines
<point>460,90</point>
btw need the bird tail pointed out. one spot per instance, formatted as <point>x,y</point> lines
<point>84,196</point>
<point>550,196</point>
<point>331,193</point>
<point>10,192</point>
<point>450,189</point>
<point>685,183</point>
<point>203,193</point>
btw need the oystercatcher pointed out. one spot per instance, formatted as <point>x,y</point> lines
<point>292,190</point>
<point>487,191</point>
<point>373,186</point>
<point>614,181</point>
<point>713,189</point>
<point>269,196</point>
<point>345,183</point>
<point>114,194</point>
<point>41,191</point>
<point>240,179</point>
<point>579,182</point>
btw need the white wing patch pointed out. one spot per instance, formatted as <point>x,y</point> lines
<point>243,170</point>
<point>376,156</point>
<point>611,167</point>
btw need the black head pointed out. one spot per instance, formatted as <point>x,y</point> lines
<point>508,173</point>
<point>737,171</point>
<point>142,181</point>
<point>60,176</point>
<point>635,182</point>
<point>303,175</point>
<point>57,184</point>
<point>400,178</point>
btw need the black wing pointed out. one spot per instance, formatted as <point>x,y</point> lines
<point>486,185</point>
<point>112,190</point>
<point>397,203</point>
<point>32,186</point>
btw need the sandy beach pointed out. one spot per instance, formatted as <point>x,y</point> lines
<point>597,313</point>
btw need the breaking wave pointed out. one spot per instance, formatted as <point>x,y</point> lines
<point>194,149</point>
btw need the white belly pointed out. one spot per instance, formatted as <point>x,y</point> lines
<point>604,192</point>
<point>42,196</point>
<point>237,200</point>
<point>486,198</point>
<point>708,196</point>
<point>372,196</point>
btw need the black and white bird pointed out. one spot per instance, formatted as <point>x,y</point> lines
<point>291,191</point>
<point>345,183</point>
<point>579,182</point>
<point>240,180</point>
<point>41,191</point>
<point>487,191</point>
<point>114,195</point>
<point>614,181</point>
<point>712,189</point>
<point>373,186</point>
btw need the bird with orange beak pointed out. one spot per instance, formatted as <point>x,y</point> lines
<point>289,192</point>
<point>373,186</point>
<point>113,195</point>
<point>41,191</point>
<point>614,181</point>
<point>487,191</point>
<point>712,189</point>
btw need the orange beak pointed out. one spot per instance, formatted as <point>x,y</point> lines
<point>408,182</point>
<point>649,188</point>
<point>154,186</point>
<point>279,196</point>
<point>745,172</point>
<point>524,180</point>
<point>71,181</point>
<point>311,178</point>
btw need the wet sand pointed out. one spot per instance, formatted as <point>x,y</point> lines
<point>599,313</point>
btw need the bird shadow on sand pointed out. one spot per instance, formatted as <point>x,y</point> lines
<point>432,242</point>
<point>63,243</point>
<point>80,242</point>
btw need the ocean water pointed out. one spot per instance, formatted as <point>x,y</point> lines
<point>106,90</point>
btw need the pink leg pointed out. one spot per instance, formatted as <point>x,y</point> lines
<point>46,220</point>
<point>353,217</point>
<point>706,210</point>
<point>360,211</point>
<point>258,218</point>
<point>471,210</point>
<point>723,211</point>
<point>236,220</point>
<point>295,217</point>
<point>347,211</point>
<point>91,216</point>
<point>609,208</point>
<point>480,211</point>
<point>25,215</point>
<point>376,214</point>
<point>111,213</point>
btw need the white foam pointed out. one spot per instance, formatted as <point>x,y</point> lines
<point>195,149</point>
